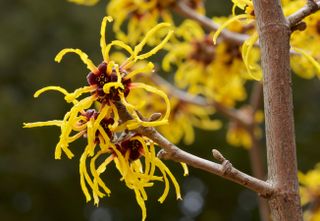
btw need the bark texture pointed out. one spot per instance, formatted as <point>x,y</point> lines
<point>274,36</point>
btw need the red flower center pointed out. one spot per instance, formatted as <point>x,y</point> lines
<point>101,78</point>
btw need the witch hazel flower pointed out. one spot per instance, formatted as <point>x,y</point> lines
<point>94,116</point>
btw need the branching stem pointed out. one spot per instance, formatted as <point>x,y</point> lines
<point>223,169</point>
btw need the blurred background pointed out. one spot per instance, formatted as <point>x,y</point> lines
<point>34,186</point>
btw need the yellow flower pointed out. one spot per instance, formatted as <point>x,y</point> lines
<point>246,5</point>
<point>250,56</point>
<point>310,193</point>
<point>184,117</point>
<point>306,62</point>
<point>215,71</point>
<point>248,15</point>
<point>108,137</point>
<point>142,15</point>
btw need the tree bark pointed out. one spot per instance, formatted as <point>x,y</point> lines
<point>274,36</point>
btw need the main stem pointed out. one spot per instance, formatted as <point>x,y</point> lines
<point>274,36</point>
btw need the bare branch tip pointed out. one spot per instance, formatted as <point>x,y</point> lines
<point>299,27</point>
<point>218,156</point>
<point>154,117</point>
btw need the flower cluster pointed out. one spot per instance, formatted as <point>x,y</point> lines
<point>184,117</point>
<point>215,68</point>
<point>305,61</point>
<point>215,71</point>
<point>109,138</point>
<point>141,16</point>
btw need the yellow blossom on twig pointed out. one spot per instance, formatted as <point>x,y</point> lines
<point>108,136</point>
<point>215,71</point>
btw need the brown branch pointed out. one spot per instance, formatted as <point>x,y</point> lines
<point>255,97</point>
<point>310,8</point>
<point>274,34</point>
<point>258,171</point>
<point>225,169</point>
<point>180,94</point>
<point>245,120</point>
<point>181,8</point>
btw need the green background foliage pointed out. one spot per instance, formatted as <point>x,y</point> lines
<point>34,186</point>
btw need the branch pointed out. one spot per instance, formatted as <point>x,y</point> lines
<point>256,95</point>
<point>182,95</point>
<point>225,169</point>
<point>255,153</point>
<point>310,8</point>
<point>255,150</point>
<point>181,8</point>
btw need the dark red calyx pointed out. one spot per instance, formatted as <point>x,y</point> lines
<point>91,113</point>
<point>234,51</point>
<point>203,51</point>
<point>134,146</point>
<point>101,78</point>
<point>105,125</point>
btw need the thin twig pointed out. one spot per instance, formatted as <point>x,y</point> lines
<point>225,170</point>
<point>256,95</point>
<point>255,153</point>
<point>310,8</point>
<point>181,8</point>
<point>172,152</point>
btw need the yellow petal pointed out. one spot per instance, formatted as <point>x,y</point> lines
<point>139,47</point>
<point>154,90</point>
<point>50,88</point>
<point>103,43</point>
<point>119,44</point>
<point>83,56</point>
<point>185,169</point>
<point>313,61</point>
<point>220,29</point>
<point>43,123</point>
<point>247,46</point>
<point>148,68</point>
<point>85,2</point>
